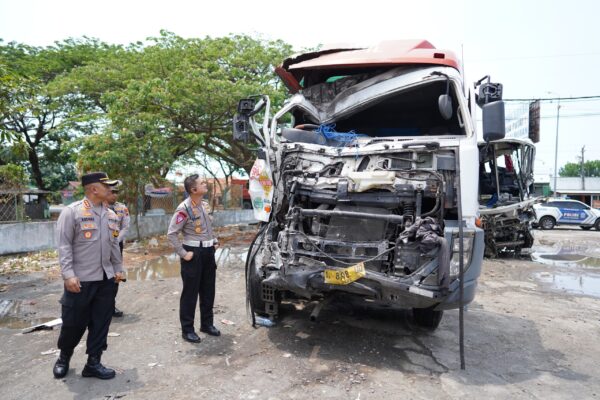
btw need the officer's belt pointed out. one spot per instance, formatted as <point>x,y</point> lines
<point>198,243</point>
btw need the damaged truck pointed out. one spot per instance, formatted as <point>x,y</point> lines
<point>367,180</point>
<point>506,196</point>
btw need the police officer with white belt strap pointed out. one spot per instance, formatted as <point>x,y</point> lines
<point>123,224</point>
<point>91,267</point>
<point>197,252</point>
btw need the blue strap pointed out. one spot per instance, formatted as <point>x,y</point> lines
<point>329,132</point>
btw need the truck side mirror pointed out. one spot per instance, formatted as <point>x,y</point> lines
<point>241,127</point>
<point>445,106</point>
<point>241,120</point>
<point>494,125</point>
<point>246,106</point>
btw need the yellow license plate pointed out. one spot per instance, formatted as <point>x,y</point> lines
<point>346,275</point>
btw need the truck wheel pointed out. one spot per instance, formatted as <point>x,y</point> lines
<point>254,302</point>
<point>597,224</point>
<point>547,222</point>
<point>586,228</point>
<point>247,205</point>
<point>254,299</point>
<point>427,318</point>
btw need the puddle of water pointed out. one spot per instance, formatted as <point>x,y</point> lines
<point>17,315</point>
<point>231,256</point>
<point>157,268</point>
<point>564,258</point>
<point>170,266</point>
<point>588,284</point>
<point>21,323</point>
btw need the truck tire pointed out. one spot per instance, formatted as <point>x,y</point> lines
<point>597,224</point>
<point>427,318</point>
<point>254,301</point>
<point>547,223</point>
<point>247,205</point>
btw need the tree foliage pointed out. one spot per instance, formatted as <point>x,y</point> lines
<point>32,117</point>
<point>122,155</point>
<point>182,90</point>
<point>132,111</point>
<point>590,169</point>
<point>12,177</point>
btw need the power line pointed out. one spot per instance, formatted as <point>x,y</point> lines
<point>557,98</point>
<point>532,57</point>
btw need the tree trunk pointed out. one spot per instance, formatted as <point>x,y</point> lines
<point>35,168</point>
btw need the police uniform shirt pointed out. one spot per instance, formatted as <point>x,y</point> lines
<point>88,242</point>
<point>182,222</point>
<point>124,220</point>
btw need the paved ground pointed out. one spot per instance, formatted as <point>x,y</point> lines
<point>532,332</point>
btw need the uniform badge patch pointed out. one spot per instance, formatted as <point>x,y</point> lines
<point>87,234</point>
<point>87,204</point>
<point>181,216</point>
<point>115,233</point>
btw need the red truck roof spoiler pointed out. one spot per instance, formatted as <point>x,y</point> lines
<point>385,54</point>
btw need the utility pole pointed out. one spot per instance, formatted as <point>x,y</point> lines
<point>582,169</point>
<point>556,145</point>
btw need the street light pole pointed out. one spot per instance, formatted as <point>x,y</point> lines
<point>556,145</point>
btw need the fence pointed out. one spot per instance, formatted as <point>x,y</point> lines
<point>228,197</point>
<point>10,208</point>
<point>219,197</point>
<point>23,205</point>
<point>29,205</point>
<point>33,236</point>
<point>154,205</point>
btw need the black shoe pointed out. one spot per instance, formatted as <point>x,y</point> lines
<point>211,330</point>
<point>61,366</point>
<point>93,368</point>
<point>117,313</point>
<point>191,337</point>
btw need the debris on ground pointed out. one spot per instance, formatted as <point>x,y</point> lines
<point>29,262</point>
<point>46,325</point>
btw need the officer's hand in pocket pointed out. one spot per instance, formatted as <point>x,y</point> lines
<point>188,256</point>
<point>72,285</point>
<point>118,277</point>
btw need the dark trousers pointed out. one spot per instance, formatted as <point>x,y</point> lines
<point>90,309</point>
<point>117,286</point>
<point>198,277</point>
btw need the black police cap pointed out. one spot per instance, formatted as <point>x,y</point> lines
<point>100,177</point>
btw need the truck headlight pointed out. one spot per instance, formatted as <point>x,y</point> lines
<point>467,251</point>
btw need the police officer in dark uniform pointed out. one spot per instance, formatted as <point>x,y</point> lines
<point>91,267</point>
<point>197,252</point>
<point>123,224</point>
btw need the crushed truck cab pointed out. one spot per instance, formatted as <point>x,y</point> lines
<point>363,178</point>
<point>506,195</point>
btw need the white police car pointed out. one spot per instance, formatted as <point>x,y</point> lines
<point>566,212</point>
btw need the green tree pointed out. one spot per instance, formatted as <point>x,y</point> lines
<point>184,91</point>
<point>122,155</point>
<point>31,114</point>
<point>12,177</point>
<point>590,169</point>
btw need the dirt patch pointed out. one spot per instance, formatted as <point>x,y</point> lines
<point>524,339</point>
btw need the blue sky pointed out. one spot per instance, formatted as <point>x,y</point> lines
<point>531,47</point>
